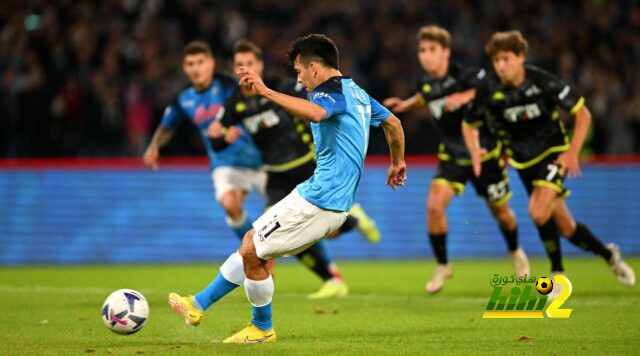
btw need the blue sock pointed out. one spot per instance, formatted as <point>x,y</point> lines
<point>214,291</point>
<point>241,226</point>
<point>323,250</point>
<point>262,317</point>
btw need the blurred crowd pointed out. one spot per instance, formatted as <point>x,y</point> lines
<point>91,78</point>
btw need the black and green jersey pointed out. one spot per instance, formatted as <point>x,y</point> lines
<point>525,119</point>
<point>283,140</point>
<point>434,91</point>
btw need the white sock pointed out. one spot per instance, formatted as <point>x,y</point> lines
<point>259,293</point>
<point>232,269</point>
<point>237,223</point>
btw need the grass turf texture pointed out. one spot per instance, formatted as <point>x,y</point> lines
<point>387,312</point>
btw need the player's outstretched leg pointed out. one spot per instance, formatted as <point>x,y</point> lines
<point>359,219</point>
<point>364,224</point>
<point>507,221</point>
<point>231,275</point>
<point>258,285</point>
<point>439,197</point>
<point>581,236</point>
<point>318,259</point>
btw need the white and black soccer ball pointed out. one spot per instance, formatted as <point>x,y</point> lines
<point>125,311</point>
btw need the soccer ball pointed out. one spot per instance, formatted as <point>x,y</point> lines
<point>544,285</point>
<point>125,311</point>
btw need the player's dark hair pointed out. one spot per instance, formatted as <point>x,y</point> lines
<point>509,41</point>
<point>314,47</point>
<point>436,34</point>
<point>196,47</point>
<point>244,46</point>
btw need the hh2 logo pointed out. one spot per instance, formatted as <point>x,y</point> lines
<point>522,301</point>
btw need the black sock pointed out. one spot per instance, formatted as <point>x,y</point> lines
<point>349,224</point>
<point>584,239</point>
<point>551,242</point>
<point>511,237</point>
<point>315,259</point>
<point>439,246</point>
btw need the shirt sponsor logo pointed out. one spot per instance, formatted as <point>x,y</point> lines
<point>320,95</point>
<point>205,114</point>
<point>522,112</point>
<point>263,120</point>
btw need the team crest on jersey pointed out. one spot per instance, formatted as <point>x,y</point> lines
<point>533,90</point>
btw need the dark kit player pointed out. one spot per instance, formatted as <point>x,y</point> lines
<point>446,88</point>
<point>518,102</point>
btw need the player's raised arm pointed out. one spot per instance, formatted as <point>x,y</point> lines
<point>298,107</point>
<point>397,172</point>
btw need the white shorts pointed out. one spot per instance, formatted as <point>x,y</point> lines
<point>293,225</point>
<point>230,178</point>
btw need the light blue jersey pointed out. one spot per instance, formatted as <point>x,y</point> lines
<point>201,108</point>
<point>341,141</point>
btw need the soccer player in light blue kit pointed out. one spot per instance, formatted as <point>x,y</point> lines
<point>235,171</point>
<point>340,113</point>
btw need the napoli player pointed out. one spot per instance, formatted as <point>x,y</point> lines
<point>288,158</point>
<point>340,113</point>
<point>235,170</point>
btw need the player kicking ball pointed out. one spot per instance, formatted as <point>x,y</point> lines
<point>447,88</point>
<point>340,113</point>
<point>288,158</point>
<point>519,103</point>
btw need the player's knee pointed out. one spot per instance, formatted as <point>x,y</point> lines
<point>504,215</point>
<point>435,210</point>
<point>231,205</point>
<point>539,216</point>
<point>565,227</point>
<point>247,246</point>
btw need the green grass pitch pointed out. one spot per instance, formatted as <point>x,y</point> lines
<point>56,310</point>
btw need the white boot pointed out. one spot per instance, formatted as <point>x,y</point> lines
<point>442,273</point>
<point>621,269</point>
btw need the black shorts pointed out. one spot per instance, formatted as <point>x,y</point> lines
<point>280,184</point>
<point>492,185</point>
<point>544,173</point>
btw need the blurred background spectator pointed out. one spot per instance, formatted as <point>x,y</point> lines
<point>91,78</point>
